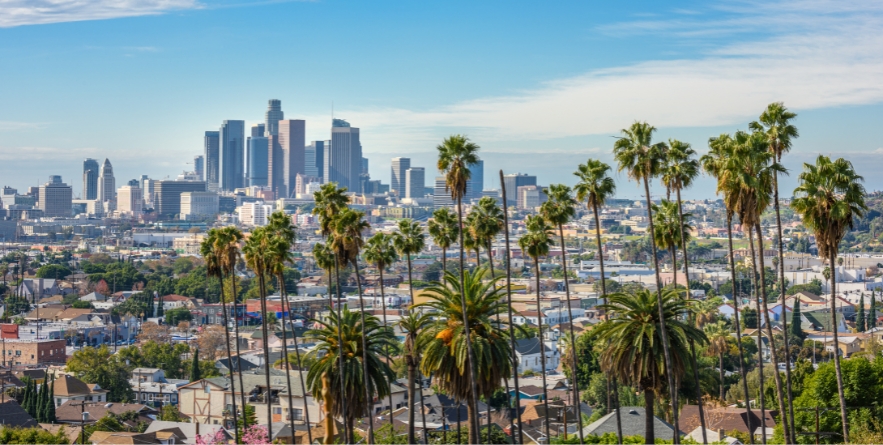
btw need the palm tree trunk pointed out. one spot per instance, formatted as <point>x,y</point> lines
<point>690,296</point>
<point>300,368</point>
<point>423,415</point>
<point>268,396</point>
<point>444,264</point>
<point>837,347</point>
<point>511,328</point>
<point>412,396</point>
<point>328,401</point>
<point>347,431</point>
<point>411,290</point>
<point>606,317</point>
<point>780,393</point>
<point>784,304</point>
<point>536,262</point>
<point>739,327</point>
<point>369,393</point>
<point>386,348</point>
<point>474,424</point>
<point>721,365</point>
<point>229,361</point>
<point>459,421</point>
<point>231,274</point>
<point>572,335</point>
<point>759,335</point>
<point>665,346</point>
<point>649,434</point>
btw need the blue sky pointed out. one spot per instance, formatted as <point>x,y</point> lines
<point>541,86</point>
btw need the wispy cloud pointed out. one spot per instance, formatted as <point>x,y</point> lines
<point>38,12</point>
<point>14,126</point>
<point>823,59</point>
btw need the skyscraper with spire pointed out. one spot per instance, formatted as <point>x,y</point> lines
<point>273,116</point>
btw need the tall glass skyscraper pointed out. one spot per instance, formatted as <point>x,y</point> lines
<point>476,181</point>
<point>257,157</point>
<point>397,182</point>
<point>313,157</point>
<point>212,159</point>
<point>231,165</point>
<point>273,116</point>
<point>343,164</point>
<point>90,179</point>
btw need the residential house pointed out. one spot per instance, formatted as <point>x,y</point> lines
<point>69,388</point>
<point>127,438</point>
<point>528,352</point>
<point>186,432</point>
<point>632,419</point>
<point>72,412</point>
<point>13,415</point>
<point>726,419</point>
<point>152,388</point>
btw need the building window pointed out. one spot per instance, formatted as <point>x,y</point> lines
<point>277,410</point>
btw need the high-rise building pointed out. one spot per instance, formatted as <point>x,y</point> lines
<point>198,205</point>
<point>212,159</point>
<point>168,195</point>
<point>106,183</point>
<point>513,181</point>
<point>343,160</point>
<point>254,214</point>
<point>134,183</point>
<point>415,181</point>
<point>530,197</point>
<point>301,182</point>
<point>55,198</point>
<point>273,116</point>
<point>441,197</point>
<point>231,153</point>
<point>199,166</point>
<point>365,166</point>
<point>130,200</point>
<point>90,179</point>
<point>397,183</point>
<point>292,139</point>
<point>257,157</point>
<point>310,167</point>
<point>476,180</point>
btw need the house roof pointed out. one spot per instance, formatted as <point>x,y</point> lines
<point>68,412</point>
<point>530,346</point>
<point>185,432</point>
<point>72,432</point>
<point>727,419</point>
<point>68,385</point>
<point>632,419</point>
<point>14,415</point>
<point>530,390</point>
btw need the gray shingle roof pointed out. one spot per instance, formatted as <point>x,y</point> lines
<point>529,346</point>
<point>632,424</point>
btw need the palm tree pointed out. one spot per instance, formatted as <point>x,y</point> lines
<point>669,232</point>
<point>775,124</point>
<point>447,341</point>
<point>380,251</point>
<point>633,336</point>
<point>412,324</point>
<point>484,224</point>
<point>636,154</point>
<point>716,163</point>
<point>227,246</point>
<point>829,198</point>
<point>444,230</point>
<point>559,209</point>
<point>718,345</point>
<point>595,186</point>
<point>509,310</point>
<point>335,384</point>
<point>409,240</point>
<point>455,155</point>
<point>257,258</point>
<point>210,253</point>
<point>283,236</point>
<point>535,243</point>
<point>347,243</point>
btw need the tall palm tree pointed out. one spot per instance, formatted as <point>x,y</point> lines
<point>446,352</point>
<point>716,164</point>
<point>633,336</point>
<point>559,209</point>
<point>227,245</point>
<point>283,237</point>
<point>669,231</point>
<point>595,186</point>
<point>535,243</point>
<point>257,257</point>
<point>409,239</point>
<point>775,124</point>
<point>718,345</point>
<point>636,154</point>
<point>509,310</point>
<point>335,384</point>
<point>380,251</point>
<point>210,253</point>
<point>412,324</point>
<point>486,223</point>
<point>455,155</point>
<point>444,230</point>
<point>829,198</point>
<point>347,243</point>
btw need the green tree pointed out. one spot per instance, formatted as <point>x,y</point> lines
<point>633,343</point>
<point>795,330</point>
<point>829,199</point>
<point>444,230</point>
<point>177,315</point>
<point>412,324</point>
<point>194,366</point>
<point>860,325</point>
<point>57,271</point>
<point>101,366</point>
<point>257,258</point>
<point>872,312</point>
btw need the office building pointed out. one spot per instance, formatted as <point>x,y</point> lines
<point>199,205</point>
<point>231,153</point>
<point>133,183</point>
<point>199,166</point>
<point>106,182</point>
<point>530,197</point>
<point>212,143</point>
<point>257,157</point>
<point>314,154</point>
<point>272,117</point>
<point>148,191</point>
<point>130,200</point>
<point>515,180</point>
<point>415,182</point>
<point>475,185</point>
<point>442,197</point>
<point>254,214</point>
<point>292,139</point>
<point>397,182</point>
<point>343,160</point>
<point>167,201</point>
<point>302,181</point>
<point>55,198</point>
<point>90,179</point>
<point>365,166</point>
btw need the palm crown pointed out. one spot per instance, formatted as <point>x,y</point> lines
<point>410,238</point>
<point>443,227</point>
<point>329,201</point>
<point>775,124</point>
<point>455,155</point>
<point>595,186</point>
<point>636,153</point>
<point>380,251</point>
<point>681,166</point>
<point>535,243</point>
<point>560,207</point>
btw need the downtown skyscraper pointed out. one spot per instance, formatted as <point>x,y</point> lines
<point>231,155</point>
<point>343,158</point>
<point>212,144</point>
<point>106,183</point>
<point>272,117</point>
<point>397,183</point>
<point>257,157</point>
<point>90,179</point>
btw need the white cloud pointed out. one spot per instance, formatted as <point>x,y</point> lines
<point>38,12</point>
<point>821,55</point>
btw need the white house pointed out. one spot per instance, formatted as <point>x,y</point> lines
<point>528,352</point>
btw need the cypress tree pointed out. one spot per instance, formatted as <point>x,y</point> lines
<point>38,406</point>
<point>794,327</point>
<point>194,367</point>
<point>50,413</point>
<point>872,312</point>
<point>32,397</point>
<point>860,317</point>
<point>27,395</point>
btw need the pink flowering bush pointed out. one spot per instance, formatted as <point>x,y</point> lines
<point>256,435</point>
<point>216,438</point>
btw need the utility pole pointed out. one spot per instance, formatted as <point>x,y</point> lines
<point>84,415</point>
